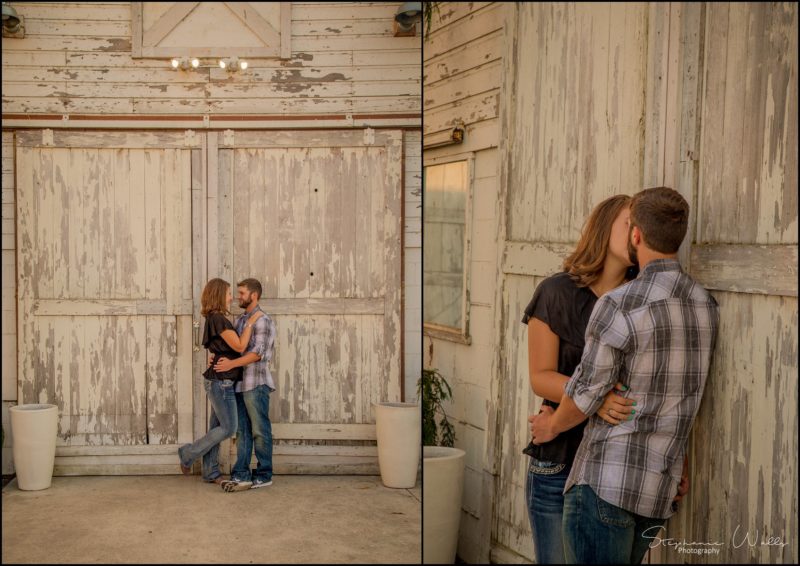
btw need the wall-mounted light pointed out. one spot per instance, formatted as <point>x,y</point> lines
<point>406,18</point>
<point>233,64</point>
<point>185,63</point>
<point>453,136</point>
<point>13,25</point>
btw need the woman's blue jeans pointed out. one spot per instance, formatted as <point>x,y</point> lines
<point>222,425</point>
<point>544,493</point>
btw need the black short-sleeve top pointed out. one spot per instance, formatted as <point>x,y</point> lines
<point>216,324</point>
<point>566,309</point>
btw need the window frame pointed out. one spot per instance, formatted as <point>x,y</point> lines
<point>439,331</point>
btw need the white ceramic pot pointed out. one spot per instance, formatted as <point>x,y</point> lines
<point>34,429</point>
<point>399,429</point>
<point>443,480</point>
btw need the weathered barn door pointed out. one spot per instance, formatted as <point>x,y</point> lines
<point>105,298</point>
<point>316,217</point>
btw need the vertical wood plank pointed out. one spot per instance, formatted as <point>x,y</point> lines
<point>59,244</point>
<point>352,160</point>
<point>138,240</point>
<point>184,380</point>
<point>43,276</point>
<point>302,236</point>
<point>75,212</point>
<point>275,183</point>
<point>393,234</point>
<point>199,277</point>
<point>105,177</point>
<point>376,158</point>
<point>121,217</point>
<point>286,30</point>
<point>332,187</point>
<point>232,253</point>
<point>185,236</point>
<point>360,183</point>
<point>317,162</point>
<point>154,235</point>
<point>213,206</point>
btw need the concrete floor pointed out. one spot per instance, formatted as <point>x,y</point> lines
<point>177,519</point>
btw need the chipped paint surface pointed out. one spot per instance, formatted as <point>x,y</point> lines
<point>579,132</point>
<point>292,211</point>
<point>98,228</point>
<point>343,58</point>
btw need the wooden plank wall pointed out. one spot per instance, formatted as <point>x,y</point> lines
<point>463,59</point>
<point>576,118</point>
<point>412,262</point>
<point>631,122</point>
<point>744,468</point>
<point>9,287</point>
<point>75,58</point>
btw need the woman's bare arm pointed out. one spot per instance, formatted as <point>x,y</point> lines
<point>239,343</point>
<point>545,380</point>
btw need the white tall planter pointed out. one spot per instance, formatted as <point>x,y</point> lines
<point>443,480</point>
<point>34,429</point>
<point>399,429</point>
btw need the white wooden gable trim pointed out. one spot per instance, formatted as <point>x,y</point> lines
<point>145,42</point>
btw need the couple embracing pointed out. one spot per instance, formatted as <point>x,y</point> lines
<point>238,384</point>
<point>619,347</point>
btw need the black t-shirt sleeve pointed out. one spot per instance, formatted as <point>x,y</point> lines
<point>216,323</point>
<point>543,305</point>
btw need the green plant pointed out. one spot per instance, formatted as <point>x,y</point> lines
<point>432,390</point>
<point>428,9</point>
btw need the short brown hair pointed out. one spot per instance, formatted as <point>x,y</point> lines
<point>662,215</point>
<point>213,297</point>
<point>253,285</point>
<point>585,264</point>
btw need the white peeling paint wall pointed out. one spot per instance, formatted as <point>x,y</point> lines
<point>461,77</point>
<point>412,263</point>
<point>9,306</point>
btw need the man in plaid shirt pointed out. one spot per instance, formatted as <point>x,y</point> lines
<point>252,394</point>
<point>656,335</point>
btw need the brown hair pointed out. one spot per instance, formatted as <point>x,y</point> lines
<point>213,297</point>
<point>253,285</point>
<point>585,264</point>
<point>662,215</point>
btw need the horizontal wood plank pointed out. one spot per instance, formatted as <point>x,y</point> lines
<point>765,270</point>
<point>322,306</point>
<point>108,307</point>
<point>534,259</point>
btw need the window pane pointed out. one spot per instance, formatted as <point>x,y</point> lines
<point>445,221</point>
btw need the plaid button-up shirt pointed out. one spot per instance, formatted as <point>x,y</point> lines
<point>656,335</point>
<point>262,342</point>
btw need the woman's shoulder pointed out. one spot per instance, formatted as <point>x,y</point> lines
<point>558,283</point>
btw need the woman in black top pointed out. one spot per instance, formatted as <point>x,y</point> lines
<point>220,338</point>
<point>557,317</point>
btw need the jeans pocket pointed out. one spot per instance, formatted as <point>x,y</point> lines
<point>226,384</point>
<point>545,467</point>
<point>612,515</point>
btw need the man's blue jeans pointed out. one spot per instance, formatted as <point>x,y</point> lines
<point>221,425</point>
<point>543,492</point>
<point>255,429</point>
<point>597,532</point>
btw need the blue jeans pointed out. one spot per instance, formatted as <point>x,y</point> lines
<point>543,491</point>
<point>221,425</point>
<point>597,532</point>
<point>254,429</point>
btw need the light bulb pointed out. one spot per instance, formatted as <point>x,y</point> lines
<point>242,65</point>
<point>222,64</point>
<point>175,63</point>
<point>195,62</point>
